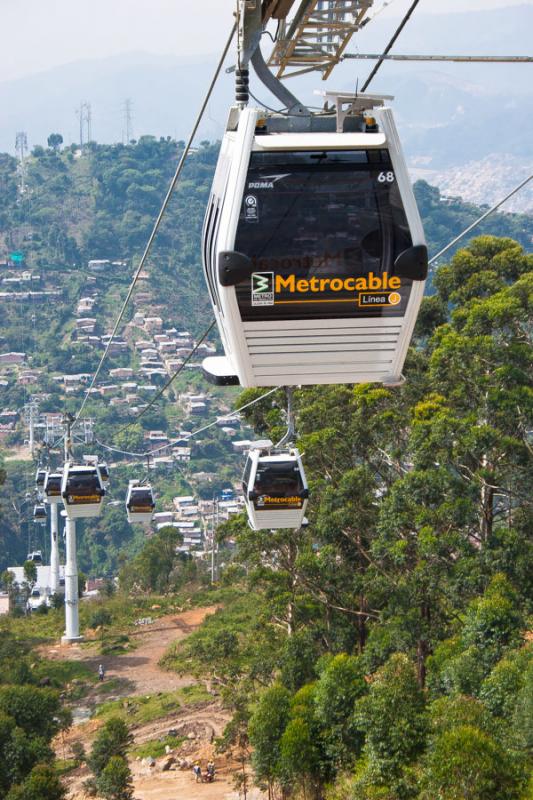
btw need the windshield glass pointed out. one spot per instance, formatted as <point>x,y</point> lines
<point>323,229</point>
<point>53,485</point>
<point>278,484</point>
<point>141,498</point>
<point>83,483</point>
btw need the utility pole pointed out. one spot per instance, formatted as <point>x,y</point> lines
<point>31,415</point>
<point>89,121</point>
<point>214,526</point>
<point>79,113</point>
<point>21,146</point>
<point>72,620</point>
<point>54,545</point>
<point>128,120</point>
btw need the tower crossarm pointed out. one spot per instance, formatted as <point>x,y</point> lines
<point>316,36</point>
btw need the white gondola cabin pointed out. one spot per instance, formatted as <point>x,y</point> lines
<point>140,504</point>
<point>82,491</point>
<point>40,478</point>
<point>39,513</point>
<point>104,472</point>
<point>52,487</point>
<point>275,489</point>
<point>313,250</point>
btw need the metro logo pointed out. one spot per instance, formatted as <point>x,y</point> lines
<point>370,283</point>
<point>261,282</point>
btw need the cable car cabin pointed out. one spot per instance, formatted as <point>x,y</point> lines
<point>275,489</point>
<point>36,556</point>
<point>314,252</point>
<point>39,513</point>
<point>140,504</point>
<point>52,487</point>
<point>40,478</point>
<point>104,472</point>
<point>82,491</point>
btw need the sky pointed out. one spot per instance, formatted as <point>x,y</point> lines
<point>39,35</point>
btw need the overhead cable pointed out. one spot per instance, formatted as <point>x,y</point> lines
<point>193,433</point>
<point>479,220</point>
<point>390,45</point>
<point>171,379</point>
<point>159,219</point>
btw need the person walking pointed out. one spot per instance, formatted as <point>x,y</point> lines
<point>101,673</point>
<point>197,772</point>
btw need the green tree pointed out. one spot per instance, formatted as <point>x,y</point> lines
<point>30,572</point>
<point>267,725</point>
<point>114,781</point>
<point>55,140</point>
<point>38,712</point>
<point>152,569</point>
<point>465,763</point>
<point>393,718</point>
<point>340,685</point>
<point>113,739</point>
<point>43,783</point>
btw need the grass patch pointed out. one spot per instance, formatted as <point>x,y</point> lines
<point>47,628</point>
<point>116,645</point>
<point>35,628</point>
<point>156,748</point>
<point>65,765</point>
<point>62,672</point>
<point>225,638</point>
<point>139,710</point>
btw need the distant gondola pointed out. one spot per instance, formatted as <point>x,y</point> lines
<point>275,489</point>
<point>39,513</point>
<point>52,487</point>
<point>104,471</point>
<point>36,556</point>
<point>40,477</point>
<point>82,491</point>
<point>140,504</point>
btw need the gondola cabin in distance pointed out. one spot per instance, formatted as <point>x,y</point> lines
<point>275,489</point>
<point>82,491</point>
<point>313,250</point>
<point>140,504</point>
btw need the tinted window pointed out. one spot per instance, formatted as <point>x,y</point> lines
<point>246,475</point>
<point>278,479</point>
<point>83,482</point>
<point>323,230</point>
<point>141,498</point>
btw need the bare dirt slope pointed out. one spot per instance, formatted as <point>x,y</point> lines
<point>141,668</point>
<point>140,674</point>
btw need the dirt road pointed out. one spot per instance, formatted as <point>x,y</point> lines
<point>140,674</point>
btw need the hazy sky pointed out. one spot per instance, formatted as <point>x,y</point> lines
<point>39,34</point>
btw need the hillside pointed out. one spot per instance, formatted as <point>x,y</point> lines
<point>100,204</point>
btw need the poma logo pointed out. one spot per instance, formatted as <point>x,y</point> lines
<point>262,288</point>
<point>267,181</point>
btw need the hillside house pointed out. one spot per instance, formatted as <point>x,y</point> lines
<point>183,501</point>
<point>197,409</point>
<point>153,324</point>
<point>109,390</point>
<point>182,454</point>
<point>143,345</point>
<point>156,436</point>
<point>12,358</point>
<point>8,416</point>
<point>163,517</point>
<point>99,265</point>
<point>122,373</point>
